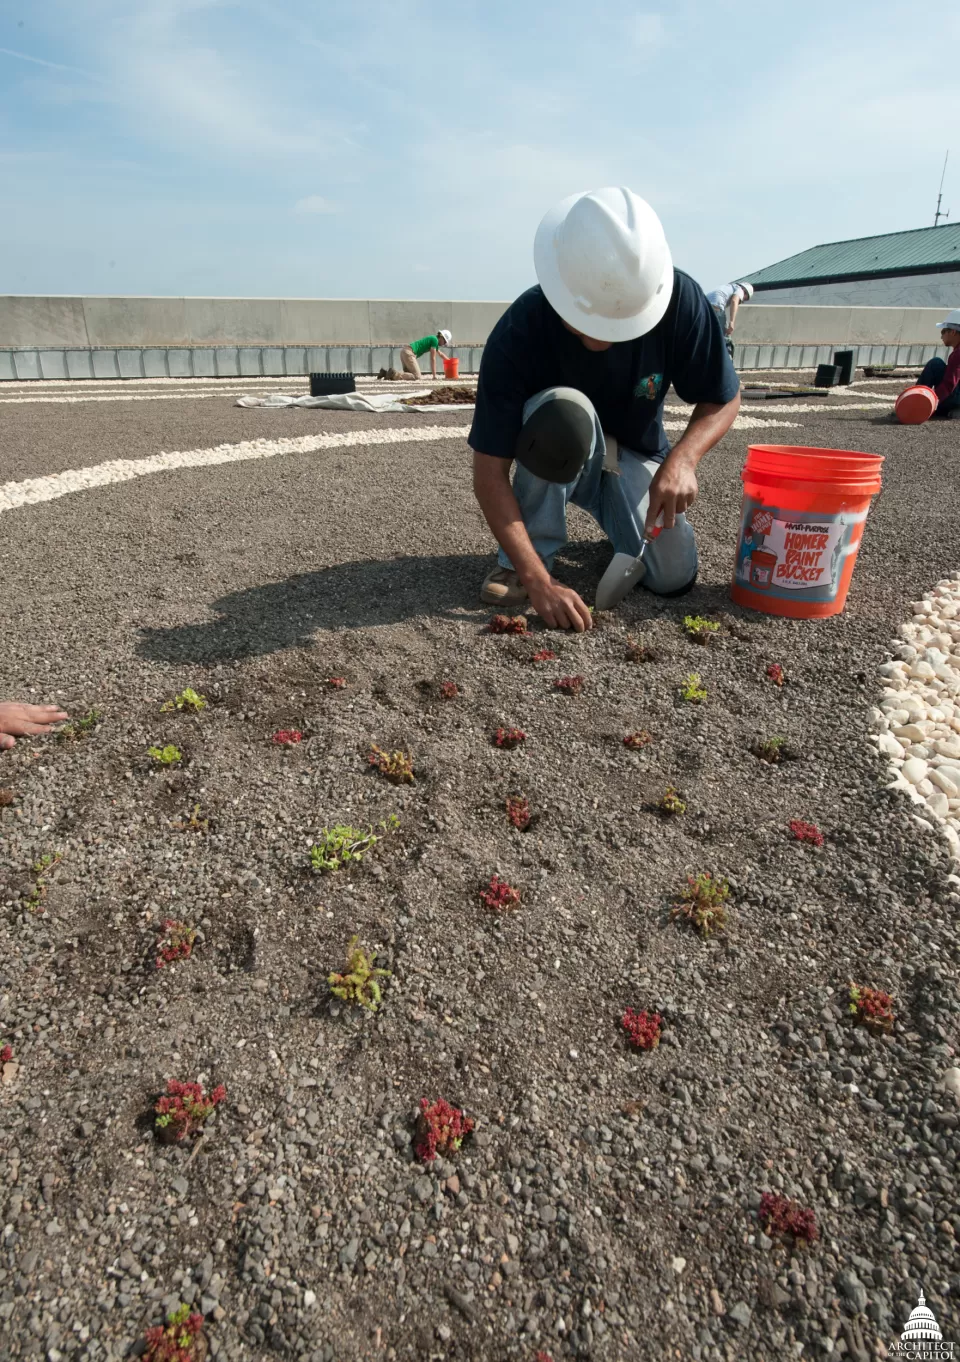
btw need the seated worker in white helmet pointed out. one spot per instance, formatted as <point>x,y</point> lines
<point>725,302</point>
<point>572,383</point>
<point>410,354</point>
<point>943,376</point>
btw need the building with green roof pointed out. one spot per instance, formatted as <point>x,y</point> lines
<point>920,268</point>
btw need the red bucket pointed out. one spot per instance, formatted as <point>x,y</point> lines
<point>915,405</point>
<point>451,367</point>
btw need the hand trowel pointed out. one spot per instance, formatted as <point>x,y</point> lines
<point>623,574</point>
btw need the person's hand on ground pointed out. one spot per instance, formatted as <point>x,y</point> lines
<point>20,721</point>
<point>673,489</point>
<point>560,607</point>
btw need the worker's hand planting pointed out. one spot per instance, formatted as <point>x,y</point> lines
<point>673,490</point>
<point>19,721</point>
<point>559,607</point>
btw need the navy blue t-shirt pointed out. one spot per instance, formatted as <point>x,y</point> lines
<point>530,349</point>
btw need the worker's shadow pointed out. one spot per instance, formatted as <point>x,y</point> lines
<point>285,614</point>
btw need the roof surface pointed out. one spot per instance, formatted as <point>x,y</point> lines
<point>923,249</point>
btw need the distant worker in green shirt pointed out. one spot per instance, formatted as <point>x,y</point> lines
<point>410,354</point>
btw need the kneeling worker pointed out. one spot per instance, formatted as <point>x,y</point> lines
<point>572,384</point>
<point>943,376</point>
<point>410,354</point>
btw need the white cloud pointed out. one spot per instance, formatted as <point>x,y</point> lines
<point>647,31</point>
<point>40,61</point>
<point>317,204</point>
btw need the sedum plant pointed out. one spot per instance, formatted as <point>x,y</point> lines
<point>702,903</point>
<point>359,982</point>
<point>165,756</point>
<point>342,845</point>
<point>188,701</point>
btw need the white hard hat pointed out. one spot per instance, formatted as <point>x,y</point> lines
<point>952,319</point>
<point>446,336</point>
<point>604,264</point>
<point>747,289</point>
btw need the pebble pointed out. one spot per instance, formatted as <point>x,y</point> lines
<point>918,726</point>
<point>951,1082</point>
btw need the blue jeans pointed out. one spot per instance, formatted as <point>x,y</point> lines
<point>617,501</point>
<point>933,372</point>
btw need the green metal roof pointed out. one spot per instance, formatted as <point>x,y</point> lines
<point>921,251</point>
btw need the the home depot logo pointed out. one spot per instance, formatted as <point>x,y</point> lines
<point>921,1340</point>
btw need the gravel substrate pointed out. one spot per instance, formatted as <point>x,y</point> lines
<point>606,1204</point>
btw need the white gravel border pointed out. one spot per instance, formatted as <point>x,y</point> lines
<point>53,485</point>
<point>917,722</point>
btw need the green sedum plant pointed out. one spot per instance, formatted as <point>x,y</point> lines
<point>341,845</point>
<point>693,690</point>
<point>698,628</point>
<point>79,728</point>
<point>703,903</point>
<point>188,700</point>
<point>165,756</point>
<point>358,984</point>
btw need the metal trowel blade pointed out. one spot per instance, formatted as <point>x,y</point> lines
<point>622,575</point>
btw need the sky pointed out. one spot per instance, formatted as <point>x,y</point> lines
<point>376,148</point>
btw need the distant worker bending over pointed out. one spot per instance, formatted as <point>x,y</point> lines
<point>411,354</point>
<point>572,384</point>
<point>943,376</point>
<point>725,302</point>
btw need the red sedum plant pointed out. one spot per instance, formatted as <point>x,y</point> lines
<point>441,1129</point>
<point>184,1109</point>
<point>287,737</point>
<point>518,811</point>
<point>637,740</point>
<point>872,1008</point>
<point>644,1028</point>
<point>778,1214</point>
<point>6,1054</point>
<point>499,896</point>
<point>449,690</point>
<point>507,624</point>
<point>179,1340</point>
<point>776,673</point>
<point>569,685</point>
<point>544,655</point>
<point>176,943</point>
<point>509,737</point>
<point>336,682</point>
<point>805,832</point>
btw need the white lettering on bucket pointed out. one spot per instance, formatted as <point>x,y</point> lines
<point>807,555</point>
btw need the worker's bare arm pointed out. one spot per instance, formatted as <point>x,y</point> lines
<point>557,605</point>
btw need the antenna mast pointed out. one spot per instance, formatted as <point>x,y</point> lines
<point>938,215</point>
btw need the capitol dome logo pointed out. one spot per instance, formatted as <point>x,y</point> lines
<point>921,1338</point>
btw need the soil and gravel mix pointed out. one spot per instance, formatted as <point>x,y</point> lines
<point>607,1203</point>
<point>442,397</point>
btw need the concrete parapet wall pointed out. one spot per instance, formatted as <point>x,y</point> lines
<point>841,326</point>
<point>35,322</point>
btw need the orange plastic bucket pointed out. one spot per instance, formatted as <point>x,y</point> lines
<point>800,528</point>
<point>451,367</point>
<point>915,405</point>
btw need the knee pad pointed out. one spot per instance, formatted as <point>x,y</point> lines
<point>557,439</point>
